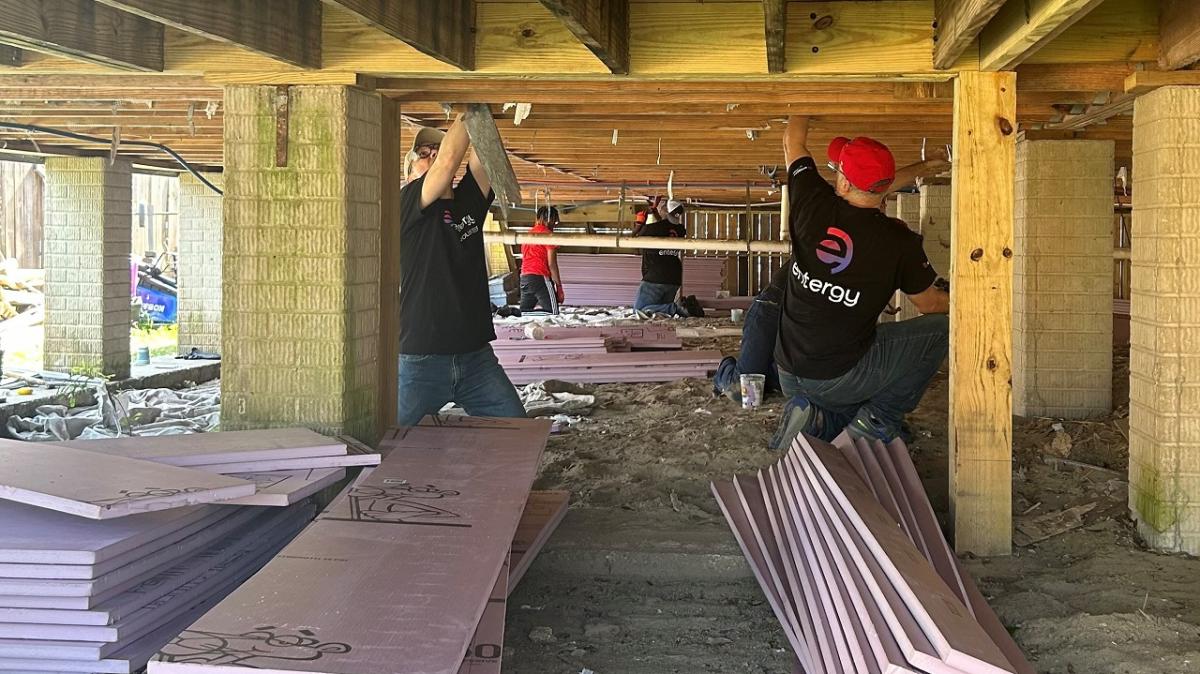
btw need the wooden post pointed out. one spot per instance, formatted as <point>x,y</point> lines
<point>390,181</point>
<point>485,140</point>
<point>981,272</point>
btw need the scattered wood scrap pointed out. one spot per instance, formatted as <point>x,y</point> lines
<point>1028,530</point>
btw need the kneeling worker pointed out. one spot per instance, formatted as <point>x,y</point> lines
<point>840,369</point>
<point>445,310</point>
<point>662,270</point>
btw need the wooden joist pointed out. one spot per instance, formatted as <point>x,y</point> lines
<point>84,31</point>
<point>981,276</point>
<point>1020,29</point>
<point>1121,104</point>
<point>601,25</point>
<point>489,147</point>
<point>957,23</point>
<point>1179,31</point>
<point>775,28</point>
<point>443,29</point>
<point>1145,81</point>
<point>285,30</point>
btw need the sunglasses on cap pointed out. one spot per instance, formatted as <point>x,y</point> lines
<point>427,151</point>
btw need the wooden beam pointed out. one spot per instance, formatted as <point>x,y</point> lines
<point>9,56</point>
<point>981,272</point>
<point>775,25</point>
<point>1021,28</point>
<point>1145,81</point>
<point>443,29</point>
<point>84,31</point>
<point>1096,114</point>
<point>286,30</point>
<point>1179,33</point>
<point>486,142</point>
<point>957,23</point>
<point>601,25</point>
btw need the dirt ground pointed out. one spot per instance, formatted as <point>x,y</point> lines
<point>1089,600</point>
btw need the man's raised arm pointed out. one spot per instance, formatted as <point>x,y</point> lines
<point>440,175</point>
<point>795,139</point>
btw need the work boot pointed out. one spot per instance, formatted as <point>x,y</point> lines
<point>726,381</point>
<point>870,427</point>
<point>798,416</point>
<point>692,306</point>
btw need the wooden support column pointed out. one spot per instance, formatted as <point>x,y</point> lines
<point>392,148</point>
<point>981,277</point>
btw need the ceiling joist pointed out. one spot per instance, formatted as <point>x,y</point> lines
<point>285,30</point>
<point>775,26</point>
<point>601,25</point>
<point>443,29</point>
<point>10,57</point>
<point>84,31</point>
<point>957,23</point>
<point>1179,29</point>
<point>1021,28</point>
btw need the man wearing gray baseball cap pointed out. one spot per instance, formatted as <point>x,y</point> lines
<point>445,310</point>
<point>662,270</point>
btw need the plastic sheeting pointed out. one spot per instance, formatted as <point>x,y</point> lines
<point>157,411</point>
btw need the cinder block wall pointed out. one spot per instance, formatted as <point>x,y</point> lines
<point>1062,279</point>
<point>300,307</point>
<point>200,234</point>
<point>88,235</point>
<point>935,226</point>
<point>1164,360</point>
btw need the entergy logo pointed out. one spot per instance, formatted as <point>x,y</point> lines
<point>837,251</point>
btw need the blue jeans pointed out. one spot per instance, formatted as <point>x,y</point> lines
<point>474,380</point>
<point>658,298</point>
<point>759,332</point>
<point>886,383</point>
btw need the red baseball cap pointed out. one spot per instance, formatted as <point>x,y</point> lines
<point>835,149</point>
<point>866,163</point>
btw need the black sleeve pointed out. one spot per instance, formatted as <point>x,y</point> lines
<point>468,194</point>
<point>810,197</point>
<point>915,274</point>
<point>410,203</point>
<point>679,230</point>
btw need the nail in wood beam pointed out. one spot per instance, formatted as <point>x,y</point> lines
<point>84,31</point>
<point>981,274</point>
<point>285,30</point>
<point>956,25</point>
<point>775,16</point>
<point>485,139</point>
<point>601,25</point>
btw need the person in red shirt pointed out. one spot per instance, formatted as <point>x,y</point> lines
<point>541,282</point>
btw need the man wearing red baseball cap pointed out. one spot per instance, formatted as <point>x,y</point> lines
<point>839,368</point>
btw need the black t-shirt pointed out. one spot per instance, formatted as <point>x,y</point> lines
<point>445,307</point>
<point>663,266</point>
<point>846,264</point>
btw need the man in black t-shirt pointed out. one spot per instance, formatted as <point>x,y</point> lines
<point>662,270</point>
<point>841,369</point>
<point>445,310</point>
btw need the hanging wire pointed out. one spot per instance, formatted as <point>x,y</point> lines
<point>106,141</point>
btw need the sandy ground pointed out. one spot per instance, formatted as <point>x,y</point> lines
<point>1089,600</point>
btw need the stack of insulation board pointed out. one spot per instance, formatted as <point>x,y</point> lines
<point>641,337</point>
<point>847,550</point>
<point>97,581</point>
<point>612,280</point>
<point>507,348</point>
<point>599,368</point>
<point>406,571</point>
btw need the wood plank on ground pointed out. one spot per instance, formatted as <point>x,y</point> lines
<point>436,524</point>
<point>97,486</point>
<point>198,449</point>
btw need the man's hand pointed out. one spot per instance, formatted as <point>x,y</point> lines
<point>560,294</point>
<point>795,139</point>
